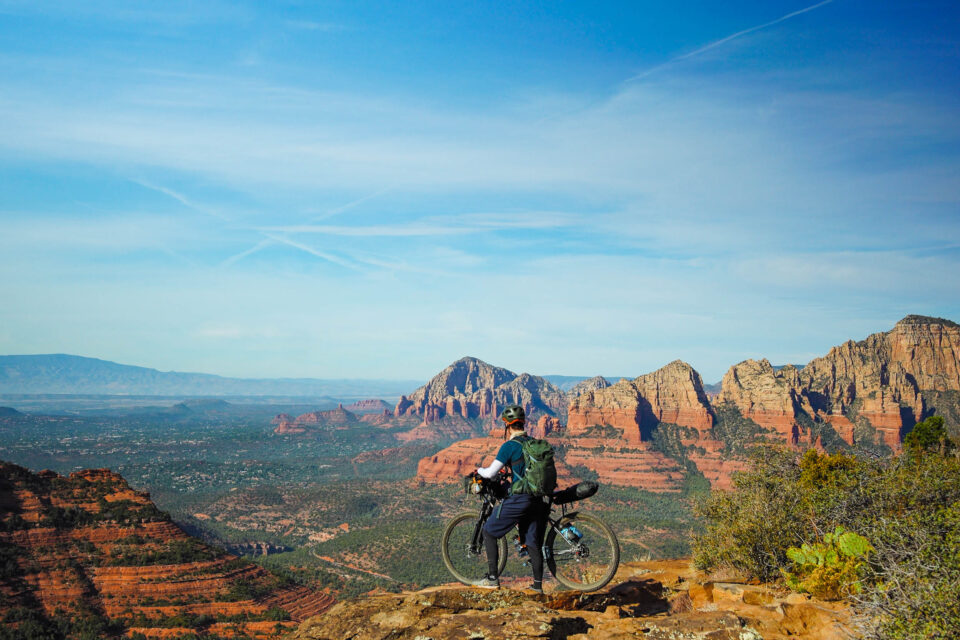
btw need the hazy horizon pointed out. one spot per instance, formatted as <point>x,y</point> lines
<point>372,191</point>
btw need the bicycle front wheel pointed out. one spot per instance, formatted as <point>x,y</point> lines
<point>584,563</point>
<point>463,552</point>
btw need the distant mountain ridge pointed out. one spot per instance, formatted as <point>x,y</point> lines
<point>69,374</point>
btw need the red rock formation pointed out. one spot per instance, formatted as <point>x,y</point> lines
<point>880,380</point>
<point>638,467</point>
<point>471,389</point>
<point>672,394</point>
<point>458,460</point>
<point>544,427</point>
<point>338,418</point>
<point>769,397</point>
<point>93,563</point>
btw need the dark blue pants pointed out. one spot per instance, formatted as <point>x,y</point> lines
<point>530,514</point>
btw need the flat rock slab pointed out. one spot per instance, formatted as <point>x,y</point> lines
<point>640,606</point>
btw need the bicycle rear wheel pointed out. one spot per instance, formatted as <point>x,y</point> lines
<point>587,563</point>
<point>464,557</point>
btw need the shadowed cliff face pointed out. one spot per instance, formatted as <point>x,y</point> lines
<point>647,432</point>
<point>88,547</point>
<point>656,600</point>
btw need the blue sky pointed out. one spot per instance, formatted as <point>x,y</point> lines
<point>376,189</point>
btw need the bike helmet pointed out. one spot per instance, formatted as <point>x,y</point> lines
<point>513,414</point>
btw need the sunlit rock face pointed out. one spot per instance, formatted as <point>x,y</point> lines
<point>671,394</point>
<point>880,380</point>
<point>875,389</point>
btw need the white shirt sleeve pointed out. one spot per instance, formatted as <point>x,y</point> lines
<point>492,470</point>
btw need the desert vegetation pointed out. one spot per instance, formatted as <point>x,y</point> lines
<point>883,533</point>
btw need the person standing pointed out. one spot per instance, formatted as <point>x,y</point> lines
<point>528,504</point>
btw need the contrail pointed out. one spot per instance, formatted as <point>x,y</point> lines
<point>721,41</point>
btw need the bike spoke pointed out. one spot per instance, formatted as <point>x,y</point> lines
<point>586,563</point>
<point>464,559</point>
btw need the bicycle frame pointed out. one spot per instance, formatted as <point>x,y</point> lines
<point>486,510</point>
<point>476,542</point>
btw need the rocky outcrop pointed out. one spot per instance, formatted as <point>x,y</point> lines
<point>545,426</point>
<point>770,397</point>
<point>338,418</point>
<point>671,394</point>
<point>654,600</point>
<point>879,382</point>
<point>90,544</point>
<point>471,389</point>
<point>458,460</point>
<point>590,384</point>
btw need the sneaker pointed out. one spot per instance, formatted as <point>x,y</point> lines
<point>488,582</point>
<point>536,588</point>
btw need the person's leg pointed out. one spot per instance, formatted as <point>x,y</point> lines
<point>493,554</point>
<point>533,526</point>
<point>504,517</point>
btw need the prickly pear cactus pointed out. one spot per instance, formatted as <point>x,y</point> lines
<point>831,569</point>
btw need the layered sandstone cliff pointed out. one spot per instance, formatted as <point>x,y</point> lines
<point>673,393</point>
<point>882,381</point>
<point>89,545</point>
<point>770,397</point>
<point>868,392</point>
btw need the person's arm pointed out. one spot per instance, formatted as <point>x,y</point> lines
<point>491,471</point>
<point>503,457</point>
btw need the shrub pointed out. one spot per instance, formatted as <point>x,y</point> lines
<point>929,435</point>
<point>749,529</point>
<point>831,569</point>
<point>907,507</point>
<point>276,614</point>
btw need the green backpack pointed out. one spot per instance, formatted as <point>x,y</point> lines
<point>540,473</point>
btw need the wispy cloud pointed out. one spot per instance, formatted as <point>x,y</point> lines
<point>438,226</point>
<point>724,40</point>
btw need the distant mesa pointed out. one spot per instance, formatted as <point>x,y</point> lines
<point>202,405</point>
<point>338,418</point>
<point>7,412</point>
<point>372,405</point>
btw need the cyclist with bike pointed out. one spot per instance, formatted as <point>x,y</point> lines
<point>526,506</point>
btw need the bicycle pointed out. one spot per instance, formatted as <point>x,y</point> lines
<point>580,550</point>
